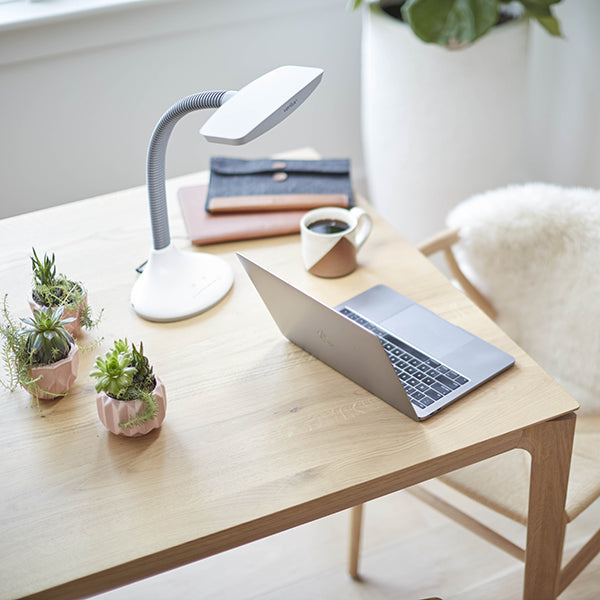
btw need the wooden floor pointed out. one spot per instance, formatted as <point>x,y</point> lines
<point>409,551</point>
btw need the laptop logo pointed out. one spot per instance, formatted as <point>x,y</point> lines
<point>323,337</point>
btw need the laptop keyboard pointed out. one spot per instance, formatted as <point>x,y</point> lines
<point>425,380</point>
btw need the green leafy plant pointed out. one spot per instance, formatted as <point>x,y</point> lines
<point>50,289</point>
<point>454,23</point>
<point>124,373</point>
<point>44,273</point>
<point>36,341</point>
<point>46,339</point>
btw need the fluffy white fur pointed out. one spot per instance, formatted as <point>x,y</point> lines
<point>534,252</point>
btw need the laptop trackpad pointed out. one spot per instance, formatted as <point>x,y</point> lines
<point>426,331</point>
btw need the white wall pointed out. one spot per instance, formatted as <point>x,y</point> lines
<point>564,108</point>
<point>80,97</point>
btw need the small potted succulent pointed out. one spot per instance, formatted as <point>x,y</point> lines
<point>52,290</point>
<point>131,400</point>
<point>39,354</point>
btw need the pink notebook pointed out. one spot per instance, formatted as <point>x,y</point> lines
<point>205,228</point>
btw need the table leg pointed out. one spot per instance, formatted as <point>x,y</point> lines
<point>550,445</point>
<point>355,530</point>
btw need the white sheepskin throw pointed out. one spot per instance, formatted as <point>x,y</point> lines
<point>534,251</point>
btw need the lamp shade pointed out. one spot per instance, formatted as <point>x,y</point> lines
<point>261,105</point>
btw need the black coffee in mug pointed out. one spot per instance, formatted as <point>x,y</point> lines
<point>328,226</point>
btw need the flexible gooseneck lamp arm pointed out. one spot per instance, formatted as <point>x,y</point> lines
<point>155,164</point>
<point>174,284</point>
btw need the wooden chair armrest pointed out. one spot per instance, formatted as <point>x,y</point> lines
<point>439,242</point>
<point>443,242</point>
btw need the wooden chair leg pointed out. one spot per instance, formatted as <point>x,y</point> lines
<point>355,530</point>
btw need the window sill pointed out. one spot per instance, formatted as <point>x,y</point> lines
<point>25,14</point>
<point>35,30</point>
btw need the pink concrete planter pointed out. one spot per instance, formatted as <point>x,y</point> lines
<point>56,378</point>
<point>112,412</point>
<point>74,327</point>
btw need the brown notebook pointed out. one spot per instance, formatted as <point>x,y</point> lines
<point>205,228</point>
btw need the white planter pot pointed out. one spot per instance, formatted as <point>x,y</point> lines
<point>438,125</point>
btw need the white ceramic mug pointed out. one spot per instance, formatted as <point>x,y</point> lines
<point>331,237</point>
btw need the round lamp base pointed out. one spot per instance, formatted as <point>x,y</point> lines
<point>176,285</point>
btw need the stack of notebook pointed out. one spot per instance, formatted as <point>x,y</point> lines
<point>248,199</point>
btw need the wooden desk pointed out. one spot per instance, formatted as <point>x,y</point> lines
<point>259,436</point>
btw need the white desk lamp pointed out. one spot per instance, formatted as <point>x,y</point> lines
<point>176,285</point>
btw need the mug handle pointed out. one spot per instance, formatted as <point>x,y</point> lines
<point>363,227</point>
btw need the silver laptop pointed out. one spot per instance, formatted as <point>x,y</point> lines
<point>385,342</point>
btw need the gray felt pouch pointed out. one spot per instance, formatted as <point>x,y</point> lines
<point>238,185</point>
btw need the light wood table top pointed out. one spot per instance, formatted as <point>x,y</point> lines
<point>259,436</point>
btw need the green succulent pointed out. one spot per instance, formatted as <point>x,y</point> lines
<point>143,378</point>
<point>124,373</point>
<point>50,289</point>
<point>44,273</point>
<point>36,341</point>
<point>46,339</point>
<point>114,373</point>
<point>121,346</point>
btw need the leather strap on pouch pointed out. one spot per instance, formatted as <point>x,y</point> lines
<point>260,202</point>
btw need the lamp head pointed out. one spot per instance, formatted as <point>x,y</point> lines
<point>261,105</point>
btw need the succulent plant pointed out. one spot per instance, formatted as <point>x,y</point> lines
<point>113,373</point>
<point>143,378</point>
<point>44,273</point>
<point>46,339</point>
<point>124,373</point>
<point>52,289</point>
<point>121,346</point>
<point>35,342</point>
